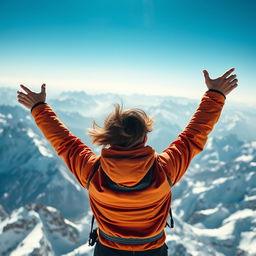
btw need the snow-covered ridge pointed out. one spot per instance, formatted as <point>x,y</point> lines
<point>37,230</point>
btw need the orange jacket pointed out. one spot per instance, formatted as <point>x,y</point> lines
<point>144,213</point>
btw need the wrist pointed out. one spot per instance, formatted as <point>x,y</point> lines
<point>215,90</point>
<point>38,103</point>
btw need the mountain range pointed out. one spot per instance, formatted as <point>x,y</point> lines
<point>45,211</point>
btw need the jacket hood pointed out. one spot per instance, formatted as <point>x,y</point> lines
<point>127,167</point>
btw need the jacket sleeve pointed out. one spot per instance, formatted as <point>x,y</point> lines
<point>78,157</point>
<point>176,158</point>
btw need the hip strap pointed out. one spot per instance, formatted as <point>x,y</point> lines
<point>122,240</point>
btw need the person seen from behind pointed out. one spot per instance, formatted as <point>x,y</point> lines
<point>129,184</point>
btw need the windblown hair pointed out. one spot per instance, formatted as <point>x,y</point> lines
<point>126,128</point>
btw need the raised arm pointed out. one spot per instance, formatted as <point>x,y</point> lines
<point>78,157</point>
<point>176,158</point>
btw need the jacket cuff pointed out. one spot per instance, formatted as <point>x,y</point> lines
<point>38,103</point>
<point>214,90</point>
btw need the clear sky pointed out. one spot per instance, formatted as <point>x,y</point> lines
<point>127,46</point>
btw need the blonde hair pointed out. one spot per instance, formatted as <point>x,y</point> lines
<point>126,128</point>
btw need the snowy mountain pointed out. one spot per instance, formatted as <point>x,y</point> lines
<point>213,205</point>
<point>219,201</point>
<point>30,171</point>
<point>35,229</point>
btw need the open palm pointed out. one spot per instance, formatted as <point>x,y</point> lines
<point>31,98</point>
<point>224,83</point>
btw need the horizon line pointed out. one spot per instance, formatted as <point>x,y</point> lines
<point>125,93</point>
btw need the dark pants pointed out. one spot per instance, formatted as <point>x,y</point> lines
<point>102,250</point>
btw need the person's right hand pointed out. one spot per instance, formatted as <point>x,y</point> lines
<point>224,83</point>
<point>31,98</point>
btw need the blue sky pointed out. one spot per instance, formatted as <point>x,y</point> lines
<point>127,46</point>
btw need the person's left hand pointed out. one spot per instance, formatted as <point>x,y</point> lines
<point>31,98</point>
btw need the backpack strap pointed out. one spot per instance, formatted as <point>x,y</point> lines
<point>171,225</point>
<point>93,234</point>
<point>95,168</point>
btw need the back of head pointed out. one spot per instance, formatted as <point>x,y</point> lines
<point>126,128</point>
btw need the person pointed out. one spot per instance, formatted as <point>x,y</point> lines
<point>130,221</point>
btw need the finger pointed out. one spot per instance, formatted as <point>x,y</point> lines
<point>25,88</point>
<point>228,73</point>
<point>206,75</point>
<point>232,83</point>
<point>231,88</point>
<point>24,102</point>
<point>43,88</point>
<point>24,99</point>
<point>23,95</point>
<point>230,78</point>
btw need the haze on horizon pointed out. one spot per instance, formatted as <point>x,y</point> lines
<point>148,47</point>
